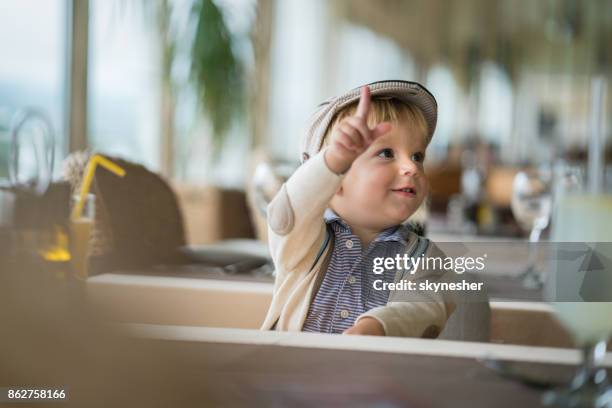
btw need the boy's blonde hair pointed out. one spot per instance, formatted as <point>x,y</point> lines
<point>384,110</point>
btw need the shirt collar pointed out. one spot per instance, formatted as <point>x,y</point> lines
<point>397,233</point>
<point>330,216</point>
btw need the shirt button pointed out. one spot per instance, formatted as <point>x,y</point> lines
<point>352,279</point>
<point>349,244</point>
<point>344,314</point>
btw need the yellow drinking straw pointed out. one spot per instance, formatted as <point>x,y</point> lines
<point>94,162</point>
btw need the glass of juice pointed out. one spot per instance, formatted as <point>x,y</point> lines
<point>80,234</point>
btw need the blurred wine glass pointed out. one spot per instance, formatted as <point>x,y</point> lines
<point>531,206</point>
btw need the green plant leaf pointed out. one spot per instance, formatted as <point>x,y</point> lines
<point>215,70</point>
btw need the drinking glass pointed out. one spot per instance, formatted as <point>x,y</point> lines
<point>582,220</point>
<point>531,206</point>
<point>80,231</point>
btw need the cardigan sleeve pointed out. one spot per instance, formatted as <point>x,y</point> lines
<point>295,216</point>
<point>417,313</point>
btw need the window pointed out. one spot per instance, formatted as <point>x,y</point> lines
<point>495,114</point>
<point>442,84</point>
<point>363,56</point>
<point>32,68</point>
<point>123,82</point>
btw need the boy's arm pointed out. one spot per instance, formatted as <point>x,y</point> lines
<point>419,318</point>
<point>413,313</point>
<point>295,215</point>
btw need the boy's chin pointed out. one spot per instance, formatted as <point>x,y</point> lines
<point>394,219</point>
<point>405,211</point>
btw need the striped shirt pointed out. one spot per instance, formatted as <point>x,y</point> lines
<point>347,290</point>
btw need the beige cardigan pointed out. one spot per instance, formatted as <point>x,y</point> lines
<point>297,232</point>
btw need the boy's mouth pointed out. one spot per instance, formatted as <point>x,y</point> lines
<point>407,191</point>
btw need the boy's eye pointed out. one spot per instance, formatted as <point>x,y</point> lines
<point>418,157</point>
<point>386,154</point>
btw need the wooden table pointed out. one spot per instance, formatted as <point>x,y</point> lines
<point>253,368</point>
<point>53,336</point>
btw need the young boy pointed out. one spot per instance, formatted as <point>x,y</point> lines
<point>361,178</point>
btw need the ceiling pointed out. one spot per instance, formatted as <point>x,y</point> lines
<point>556,36</point>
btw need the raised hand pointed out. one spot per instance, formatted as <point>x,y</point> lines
<point>351,136</point>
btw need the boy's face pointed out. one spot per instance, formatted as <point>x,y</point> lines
<point>386,184</point>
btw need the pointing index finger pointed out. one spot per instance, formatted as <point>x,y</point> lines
<point>364,103</point>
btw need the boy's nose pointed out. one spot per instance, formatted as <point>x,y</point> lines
<point>407,167</point>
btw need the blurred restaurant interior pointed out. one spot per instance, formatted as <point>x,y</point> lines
<point>193,110</point>
<point>518,84</point>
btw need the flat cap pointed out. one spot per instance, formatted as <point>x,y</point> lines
<point>406,91</point>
